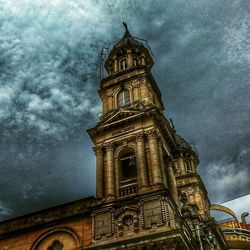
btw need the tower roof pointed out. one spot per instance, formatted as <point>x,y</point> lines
<point>127,39</point>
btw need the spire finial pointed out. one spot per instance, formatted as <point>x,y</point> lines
<point>125,26</point>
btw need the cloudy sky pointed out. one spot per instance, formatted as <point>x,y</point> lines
<point>49,75</point>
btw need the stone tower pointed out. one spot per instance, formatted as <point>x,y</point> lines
<point>133,139</point>
<point>150,195</point>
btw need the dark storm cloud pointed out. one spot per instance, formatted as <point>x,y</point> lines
<point>49,77</point>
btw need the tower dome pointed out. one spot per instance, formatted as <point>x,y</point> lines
<point>128,53</point>
<point>127,39</point>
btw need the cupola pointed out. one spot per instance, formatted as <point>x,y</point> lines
<point>128,52</point>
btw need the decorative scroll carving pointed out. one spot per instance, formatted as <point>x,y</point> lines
<point>127,220</point>
<point>151,134</point>
<point>109,146</point>
<point>98,150</point>
<point>140,136</point>
<point>109,93</point>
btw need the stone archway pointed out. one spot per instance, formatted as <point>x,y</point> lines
<point>64,238</point>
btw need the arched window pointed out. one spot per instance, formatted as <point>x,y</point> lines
<point>127,172</point>
<point>135,62</point>
<point>123,98</point>
<point>128,166</point>
<point>187,166</point>
<point>56,245</point>
<point>123,64</point>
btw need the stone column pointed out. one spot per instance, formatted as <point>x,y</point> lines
<point>154,155</point>
<point>116,166</point>
<point>141,161</point>
<point>115,65</point>
<point>99,172</point>
<point>182,166</point>
<point>109,173</point>
<point>160,145</point>
<point>130,61</point>
<point>171,181</point>
<point>136,86</point>
<point>143,60</point>
<point>192,165</point>
<point>110,99</point>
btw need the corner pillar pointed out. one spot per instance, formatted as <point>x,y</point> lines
<point>171,181</point>
<point>155,160</point>
<point>141,161</point>
<point>109,172</point>
<point>130,61</point>
<point>160,145</point>
<point>99,171</point>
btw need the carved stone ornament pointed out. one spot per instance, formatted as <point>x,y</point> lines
<point>127,220</point>
<point>98,150</point>
<point>151,134</point>
<point>140,136</point>
<point>187,210</point>
<point>109,93</point>
<point>109,146</point>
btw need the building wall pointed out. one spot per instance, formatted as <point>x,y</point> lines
<point>71,233</point>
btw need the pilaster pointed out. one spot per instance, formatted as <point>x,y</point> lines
<point>99,171</point>
<point>171,180</point>
<point>155,160</point>
<point>141,161</point>
<point>109,171</point>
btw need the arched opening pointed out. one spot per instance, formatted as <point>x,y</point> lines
<point>187,166</point>
<point>136,62</point>
<point>123,98</point>
<point>123,64</point>
<point>127,172</point>
<point>56,245</point>
<point>57,239</point>
<point>128,166</point>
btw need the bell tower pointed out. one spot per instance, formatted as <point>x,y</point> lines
<point>142,183</point>
<point>132,139</point>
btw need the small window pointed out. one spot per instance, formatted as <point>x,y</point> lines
<point>123,98</point>
<point>123,64</point>
<point>56,245</point>
<point>135,62</point>
<point>187,166</point>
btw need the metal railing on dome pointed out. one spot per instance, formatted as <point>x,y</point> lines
<point>106,50</point>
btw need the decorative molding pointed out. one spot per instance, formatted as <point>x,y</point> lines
<point>67,230</point>
<point>109,93</point>
<point>98,150</point>
<point>140,136</point>
<point>152,134</point>
<point>124,130</point>
<point>110,146</point>
<point>135,84</point>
